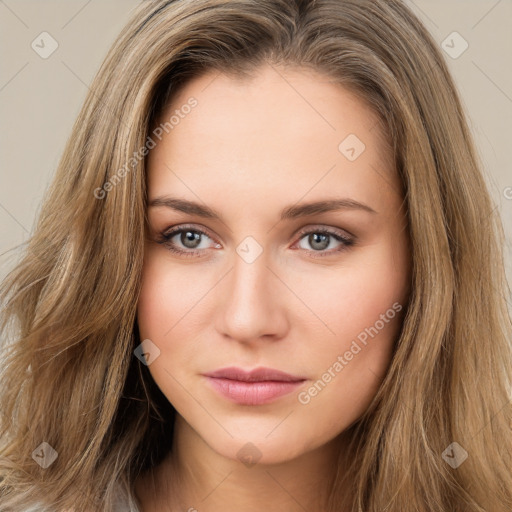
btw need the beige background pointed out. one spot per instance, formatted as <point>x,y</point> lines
<point>40,98</point>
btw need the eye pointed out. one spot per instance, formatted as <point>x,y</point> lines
<point>187,241</point>
<point>189,238</point>
<point>321,238</point>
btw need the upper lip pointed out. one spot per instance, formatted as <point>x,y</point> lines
<point>256,375</point>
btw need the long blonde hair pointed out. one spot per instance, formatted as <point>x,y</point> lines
<point>70,377</point>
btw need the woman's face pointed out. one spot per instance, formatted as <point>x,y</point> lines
<point>293,257</point>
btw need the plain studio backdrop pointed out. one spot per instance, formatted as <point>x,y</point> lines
<point>51,50</point>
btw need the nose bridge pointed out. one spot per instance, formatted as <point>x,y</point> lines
<point>251,309</point>
<point>248,290</point>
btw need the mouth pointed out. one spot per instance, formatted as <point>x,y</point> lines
<point>255,387</point>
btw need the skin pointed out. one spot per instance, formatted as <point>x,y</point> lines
<point>249,149</point>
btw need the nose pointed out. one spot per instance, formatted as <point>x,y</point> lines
<point>251,303</point>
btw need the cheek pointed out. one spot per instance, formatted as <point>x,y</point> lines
<point>168,294</point>
<point>170,302</point>
<point>365,317</point>
<point>166,297</point>
<point>153,302</point>
<point>352,298</point>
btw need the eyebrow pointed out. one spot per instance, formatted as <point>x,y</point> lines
<point>288,213</point>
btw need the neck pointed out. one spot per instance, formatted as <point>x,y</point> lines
<point>196,478</point>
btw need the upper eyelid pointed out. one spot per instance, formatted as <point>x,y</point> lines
<point>177,229</point>
<point>322,227</point>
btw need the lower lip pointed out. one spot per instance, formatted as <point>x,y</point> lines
<point>252,393</point>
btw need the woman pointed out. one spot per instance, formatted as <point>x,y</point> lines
<point>268,274</point>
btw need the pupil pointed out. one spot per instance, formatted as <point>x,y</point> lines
<point>190,238</point>
<point>314,240</point>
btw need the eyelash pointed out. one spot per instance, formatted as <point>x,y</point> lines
<point>166,236</point>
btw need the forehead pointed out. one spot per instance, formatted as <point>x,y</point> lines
<point>289,131</point>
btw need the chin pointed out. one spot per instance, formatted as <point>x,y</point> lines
<point>263,446</point>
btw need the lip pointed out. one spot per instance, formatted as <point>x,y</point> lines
<point>260,374</point>
<point>255,387</point>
